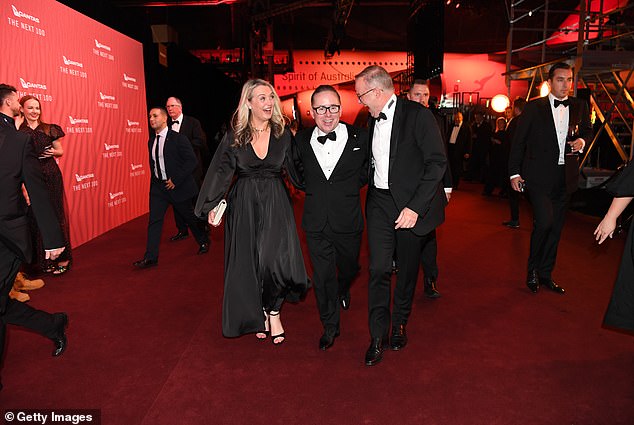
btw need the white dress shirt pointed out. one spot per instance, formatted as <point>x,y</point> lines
<point>381,145</point>
<point>329,153</point>
<point>177,127</point>
<point>561,116</point>
<point>161,158</point>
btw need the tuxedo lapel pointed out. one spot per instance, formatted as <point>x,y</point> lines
<point>396,127</point>
<point>549,120</point>
<point>351,143</point>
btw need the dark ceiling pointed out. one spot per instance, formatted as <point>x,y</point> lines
<point>476,26</point>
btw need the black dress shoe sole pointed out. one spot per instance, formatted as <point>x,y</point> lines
<point>178,238</point>
<point>145,265</point>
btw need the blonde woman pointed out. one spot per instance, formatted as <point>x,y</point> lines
<point>263,259</point>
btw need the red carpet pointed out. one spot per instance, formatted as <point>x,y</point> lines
<point>145,347</point>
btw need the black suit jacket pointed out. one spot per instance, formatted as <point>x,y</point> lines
<point>334,201</point>
<point>535,150</point>
<point>463,141</point>
<point>191,128</point>
<point>416,165</point>
<point>180,162</point>
<point>19,164</point>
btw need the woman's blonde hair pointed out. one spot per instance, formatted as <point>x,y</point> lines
<point>241,120</point>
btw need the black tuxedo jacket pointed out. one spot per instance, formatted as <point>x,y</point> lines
<point>334,201</point>
<point>191,128</point>
<point>180,162</point>
<point>463,140</point>
<point>534,147</point>
<point>417,164</point>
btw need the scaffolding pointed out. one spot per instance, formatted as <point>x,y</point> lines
<point>604,67</point>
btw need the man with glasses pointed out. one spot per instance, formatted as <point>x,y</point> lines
<point>405,201</point>
<point>334,162</point>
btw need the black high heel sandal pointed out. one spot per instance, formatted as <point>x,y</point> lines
<point>59,270</point>
<point>274,337</point>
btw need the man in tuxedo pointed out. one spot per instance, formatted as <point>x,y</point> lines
<point>419,92</point>
<point>481,133</point>
<point>544,160</point>
<point>189,127</point>
<point>172,161</point>
<point>405,201</point>
<point>514,196</point>
<point>19,165</point>
<point>458,147</point>
<point>335,167</point>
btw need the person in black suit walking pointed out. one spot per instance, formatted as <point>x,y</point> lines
<point>19,165</point>
<point>172,161</point>
<point>335,167</point>
<point>458,147</point>
<point>189,127</point>
<point>514,196</point>
<point>419,92</point>
<point>544,160</point>
<point>405,201</point>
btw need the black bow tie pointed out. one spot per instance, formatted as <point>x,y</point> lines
<point>322,139</point>
<point>174,122</point>
<point>565,103</point>
<point>381,116</point>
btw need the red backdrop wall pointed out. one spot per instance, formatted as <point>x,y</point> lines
<point>89,80</point>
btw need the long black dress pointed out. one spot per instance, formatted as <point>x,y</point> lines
<point>620,313</point>
<point>263,258</point>
<point>42,137</point>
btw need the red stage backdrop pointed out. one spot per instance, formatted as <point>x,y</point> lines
<point>89,80</point>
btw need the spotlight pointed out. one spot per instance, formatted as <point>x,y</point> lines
<point>500,102</point>
<point>544,89</point>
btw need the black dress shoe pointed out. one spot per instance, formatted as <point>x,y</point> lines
<point>327,339</point>
<point>532,281</point>
<point>60,340</point>
<point>204,248</point>
<point>179,236</point>
<point>398,340</point>
<point>429,288</point>
<point>375,352</point>
<point>345,300</point>
<point>550,284</point>
<point>513,224</point>
<point>145,263</point>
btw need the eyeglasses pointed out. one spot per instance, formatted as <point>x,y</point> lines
<point>321,110</point>
<point>359,96</point>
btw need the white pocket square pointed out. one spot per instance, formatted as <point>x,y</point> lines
<point>355,149</point>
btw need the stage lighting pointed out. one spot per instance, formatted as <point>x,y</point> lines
<point>544,89</point>
<point>500,102</point>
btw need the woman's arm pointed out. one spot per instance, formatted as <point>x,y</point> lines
<point>606,228</point>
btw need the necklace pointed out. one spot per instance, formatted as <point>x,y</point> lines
<point>260,130</point>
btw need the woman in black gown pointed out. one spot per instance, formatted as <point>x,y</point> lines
<point>46,140</point>
<point>620,313</point>
<point>263,259</point>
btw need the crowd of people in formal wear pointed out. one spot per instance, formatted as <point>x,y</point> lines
<point>410,161</point>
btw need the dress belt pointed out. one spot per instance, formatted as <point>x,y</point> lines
<point>384,191</point>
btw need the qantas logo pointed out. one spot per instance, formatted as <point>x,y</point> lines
<point>128,78</point>
<point>108,147</point>
<point>20,14</point>
<point>105,96</point>
<point>115,195</point>
<point>29,85</point>
<point>77,120</point>
<point>102,46</point>
<point>84,177</point>
<point>136,167</point>
<point>132,123</point>
<point>70,62</point>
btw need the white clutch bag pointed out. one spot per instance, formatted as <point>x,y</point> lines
<point>219,211</point>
